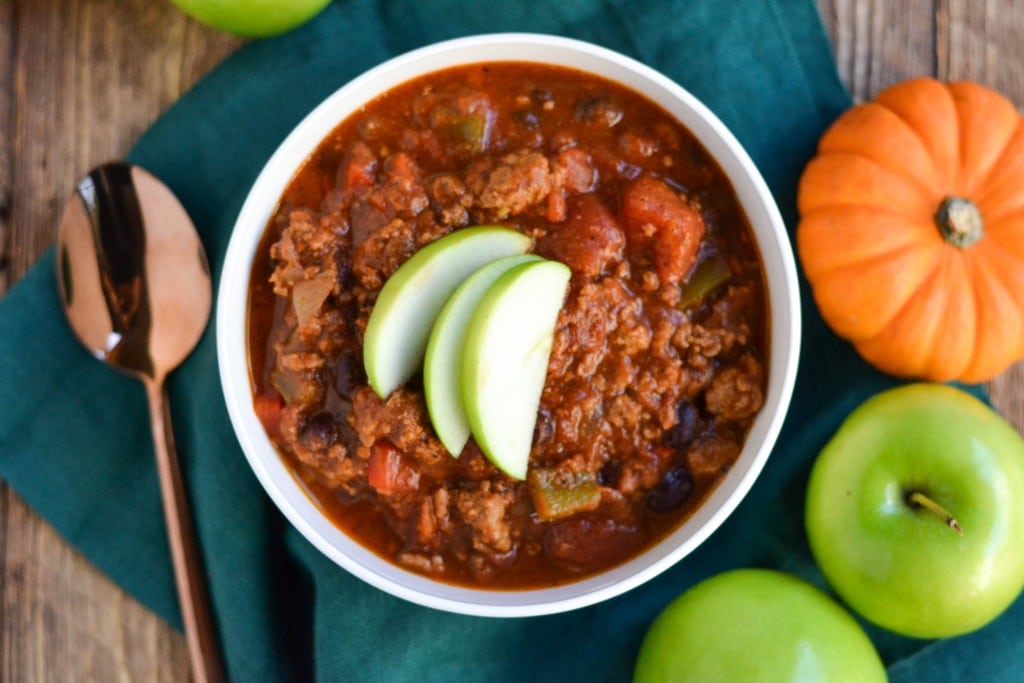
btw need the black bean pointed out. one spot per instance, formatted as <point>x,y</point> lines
<point>320,432</point>
<point>348,374</point>
<point>688,427</point>
<point>608,475</point>
<point>600,110</point>
<point>542,95</point>
<point>343,271</point>
<point>544,428</point>
<point>672,491</point>
<point>528,119</point>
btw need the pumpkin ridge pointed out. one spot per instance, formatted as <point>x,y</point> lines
<point>924,134</point>
<point>830,145</point>
<point>912,180</point>
<point>982,194</point>
<point>966,269</point>
<point>830,238</point>
<point>924,287</point>
<point>872,261</point>
<point>998,291</point>
<point>1008,148</point>
<point>999,262</point>
<point>970,98</point>
<point>856,267</point>
<point>873,208</point>
<point>928,199</point>
<point>918,133</point>
<point>921,289</point>
<point>978,322</point>
<point>994,221</point>
<point>884,256</point>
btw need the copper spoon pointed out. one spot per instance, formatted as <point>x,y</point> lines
<point>135,286</point>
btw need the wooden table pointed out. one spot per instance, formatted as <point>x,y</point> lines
<point>81,79</point>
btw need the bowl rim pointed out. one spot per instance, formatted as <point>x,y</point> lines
<point>232,323</point>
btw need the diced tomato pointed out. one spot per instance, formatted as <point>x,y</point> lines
<point>590,240</point>
<point>389,471</point>
<point>357,176</point>
<point>268,410</point>
<point>359,169</point>
<point>656,217</point>
<point>400,167</point>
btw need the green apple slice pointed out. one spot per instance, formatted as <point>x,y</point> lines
<point>401,320</point>
<point>442,365</point>
<point>505,360</point>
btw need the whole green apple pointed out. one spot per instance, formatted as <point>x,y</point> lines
<point>754,626</point>
<point>252,18</point>
<point>915,511</point>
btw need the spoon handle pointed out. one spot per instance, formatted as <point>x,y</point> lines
<point>200,633</point>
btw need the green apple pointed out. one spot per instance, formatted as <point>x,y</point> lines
<point>408,303</point>
<point>505,360</point>
<point>252,18</point>
<point>756,626</point>
<point>915,511</point>
<point>442,364</point>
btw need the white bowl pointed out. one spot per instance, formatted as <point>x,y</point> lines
<point>784,327</point>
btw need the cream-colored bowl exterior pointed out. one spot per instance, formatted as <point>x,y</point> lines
<point>784,333</point>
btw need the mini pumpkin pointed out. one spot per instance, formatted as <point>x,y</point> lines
<point>911,230</point>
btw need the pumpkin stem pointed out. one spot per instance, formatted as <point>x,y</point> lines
<point>918,499</point>
<point>959,221</point>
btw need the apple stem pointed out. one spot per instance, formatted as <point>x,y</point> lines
<point>916,498</point>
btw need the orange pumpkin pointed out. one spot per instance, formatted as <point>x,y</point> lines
<point>912,230</point>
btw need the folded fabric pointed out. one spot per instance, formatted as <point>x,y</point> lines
<point>74,436</point>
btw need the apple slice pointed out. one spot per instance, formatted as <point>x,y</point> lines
<point>401,320</point>
<point>442,365</point>
<point>505,360</point>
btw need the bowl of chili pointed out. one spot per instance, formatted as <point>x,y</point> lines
<point>674,355</point>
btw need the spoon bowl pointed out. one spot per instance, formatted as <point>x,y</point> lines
<point>134,279</point>
<point>135,286</point>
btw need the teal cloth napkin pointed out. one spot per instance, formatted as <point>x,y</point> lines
<point>74,436</point>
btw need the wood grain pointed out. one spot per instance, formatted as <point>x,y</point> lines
<point>81,79</point>
<point>6,130</point>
